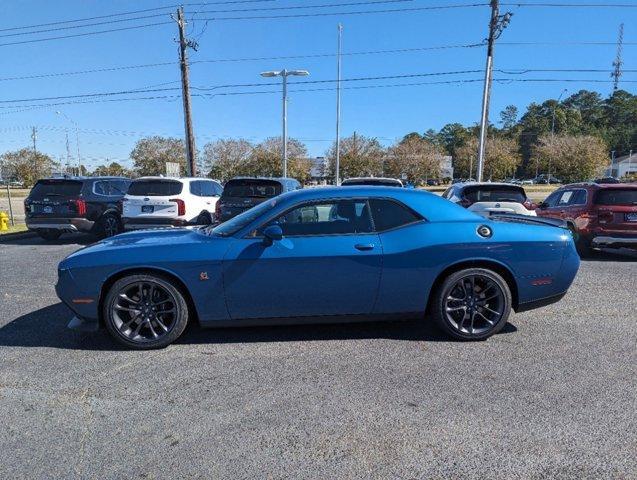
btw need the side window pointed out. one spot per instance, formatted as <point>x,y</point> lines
<point>338,217</point>
<point>218,188</point>
<point>579,198</point>
<point>447,193</point>
<point>565,198</point>
<point>207,189</point>
<point>551,200</point>
<point>117,187</point>
<point>101,188</point>
<point>388,214</point>
<point>195,188</point>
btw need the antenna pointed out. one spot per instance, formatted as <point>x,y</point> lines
<point>617,72</point>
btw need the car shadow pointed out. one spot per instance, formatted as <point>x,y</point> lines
<point>66,239</point>
<point>612,255</point>
<point>46,327</point>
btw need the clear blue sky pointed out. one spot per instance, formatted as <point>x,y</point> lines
<point>109,130</point>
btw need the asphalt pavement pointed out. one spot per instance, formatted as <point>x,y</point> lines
<point>552,396</point>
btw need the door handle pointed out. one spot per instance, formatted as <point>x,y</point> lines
<point>364,246</point>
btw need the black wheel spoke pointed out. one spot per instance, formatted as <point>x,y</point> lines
<point>144,311</point>
<point>480,308</point>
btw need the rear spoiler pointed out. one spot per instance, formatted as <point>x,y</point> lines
<point>528,219</point>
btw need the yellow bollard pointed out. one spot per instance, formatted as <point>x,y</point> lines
<point>4,222</point>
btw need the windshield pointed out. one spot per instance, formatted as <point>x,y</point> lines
<point>249,188</point>
<point>155,188</point>
<point>495,194</point>
<point>615,196</point>
<point>60,188</point>
<point>235,224</point>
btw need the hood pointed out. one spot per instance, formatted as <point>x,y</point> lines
<point>148,239</point>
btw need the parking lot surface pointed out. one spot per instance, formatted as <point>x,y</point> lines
<point>552,396</point>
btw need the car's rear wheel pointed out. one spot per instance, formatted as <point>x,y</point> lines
<point>108,226</point>
<point>472,304</point>
<point>49,234</point>
<point>145,311</point>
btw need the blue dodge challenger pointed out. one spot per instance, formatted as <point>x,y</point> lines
<point>321,255</point>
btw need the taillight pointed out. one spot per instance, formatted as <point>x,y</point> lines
<point>80,206</point>
<point>605,216</point>
<point>217,209</point>
<point>181,206</point>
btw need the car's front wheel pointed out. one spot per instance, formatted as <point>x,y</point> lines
<point>145,311</point>
<point>472,304</point>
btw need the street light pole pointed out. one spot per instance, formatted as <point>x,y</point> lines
<point>284,74</point>
<point>553,132</point>
<point>337,177</point>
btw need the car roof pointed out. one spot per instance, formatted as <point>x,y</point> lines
<point>600,186</point>
<point>431,206</point>
<point>83,179</point>
<point>176,179</point>
<point>486,184</point>
<point>382,179</point>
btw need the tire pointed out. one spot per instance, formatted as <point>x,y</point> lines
<point>204,218</point>
<point>454,308</point>
<point>582,244</point>
<point>108,225</point>
<point>49,234</point>
<point>124,315</point>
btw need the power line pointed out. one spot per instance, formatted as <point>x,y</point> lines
<point>130,12</point>
<point>355,79</point>
<point>145,17</point>
<point>571,5</point>
<point>295,90</point>
<point>146,25</point>
<point>230,60</point>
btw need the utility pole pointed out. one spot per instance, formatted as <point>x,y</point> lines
<point>617,72</point>
<point>184,44</point>
<point>496,25</point>
<point>68,154</point>
<point>34,132</point>
<point>337,178</point>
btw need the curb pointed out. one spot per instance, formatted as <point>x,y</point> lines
<point>16,236</point>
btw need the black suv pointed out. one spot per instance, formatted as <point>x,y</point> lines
<point>242,193</point>
<point>75,204</point>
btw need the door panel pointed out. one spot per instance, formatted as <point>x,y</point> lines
<point>302,276</point>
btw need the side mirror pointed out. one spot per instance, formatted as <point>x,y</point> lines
<point>542,205</point>
<point>271,234</point>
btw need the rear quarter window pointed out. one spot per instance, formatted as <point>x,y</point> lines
<point>388,214</point>
<point>155,188</point>
<point>616,196</point>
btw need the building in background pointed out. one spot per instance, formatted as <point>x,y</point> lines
<point>446,167</point>
<point>623,166</point>
<point>319,170</point>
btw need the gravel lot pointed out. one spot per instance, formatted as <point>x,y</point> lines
<point>553,396</point>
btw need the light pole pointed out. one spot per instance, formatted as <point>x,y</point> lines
<point>284,74</point>
<point>77,141</point>
<point>553,132</point>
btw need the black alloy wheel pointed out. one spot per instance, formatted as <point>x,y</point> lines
<point>145,311</point>
<point>108,226</point>
<point>472,304</point>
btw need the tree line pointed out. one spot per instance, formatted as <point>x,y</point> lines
<point>572,139</point>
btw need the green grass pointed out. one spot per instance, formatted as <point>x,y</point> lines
<point>15,192</point>
<point>19,227</point>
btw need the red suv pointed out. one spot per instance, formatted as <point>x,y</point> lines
<point>599,215</point>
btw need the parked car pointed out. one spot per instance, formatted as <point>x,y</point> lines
<point>545,179</point>
<point>433,182</point>
<point>242,193</point>
<point>75,204</point>
<point>372,181</point>
<point>491,198</point>
<point>607,180</point>
<point>599,215</point>
<point>385,253</point>
<point>153,202</point>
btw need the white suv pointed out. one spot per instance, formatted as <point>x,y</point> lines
<point>170,202</point>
